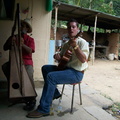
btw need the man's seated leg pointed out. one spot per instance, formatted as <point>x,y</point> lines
<point>56,94</point>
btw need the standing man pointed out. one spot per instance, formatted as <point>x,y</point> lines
<point>28,47</point>
<point>72,72</point>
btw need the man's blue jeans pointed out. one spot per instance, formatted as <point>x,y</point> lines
<point>52,78</point>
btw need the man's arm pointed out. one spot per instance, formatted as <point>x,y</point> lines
<point>79,53</point>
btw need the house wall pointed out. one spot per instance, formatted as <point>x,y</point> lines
<point>114,43</point>
<point>41,22</point>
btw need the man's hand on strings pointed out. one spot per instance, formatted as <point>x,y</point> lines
<point>72,42</point>
<point>68,53</point>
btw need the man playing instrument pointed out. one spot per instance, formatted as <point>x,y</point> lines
<point>28,47</point>
<point>72,72</point>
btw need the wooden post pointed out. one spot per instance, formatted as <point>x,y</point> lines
<point>55,27</point>
<point>118,44</point>
<point>94,40</point>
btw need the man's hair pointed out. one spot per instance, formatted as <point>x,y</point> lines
<point>73,20</point>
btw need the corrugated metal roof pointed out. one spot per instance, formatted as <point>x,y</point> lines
<point>86,16</point>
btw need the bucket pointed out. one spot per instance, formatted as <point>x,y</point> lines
<point>111,56</point>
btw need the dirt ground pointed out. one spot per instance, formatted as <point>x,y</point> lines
<point>104,75</point>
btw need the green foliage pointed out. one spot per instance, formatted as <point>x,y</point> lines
<point>77,2</point>
<point>116,7</point>
<point>106,6</point>
<point>60,24</point>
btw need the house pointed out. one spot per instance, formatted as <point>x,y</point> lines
<point>107,42</point>
<point>40,19</point>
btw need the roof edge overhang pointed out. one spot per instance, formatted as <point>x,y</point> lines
<point>85,16</point>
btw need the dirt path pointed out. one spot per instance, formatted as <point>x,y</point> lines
<point>104,76</point>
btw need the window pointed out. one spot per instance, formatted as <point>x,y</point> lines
<point>6,9</point>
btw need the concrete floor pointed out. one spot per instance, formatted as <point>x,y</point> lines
<point>91,109</point>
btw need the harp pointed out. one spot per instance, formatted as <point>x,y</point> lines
<point>20,85</point>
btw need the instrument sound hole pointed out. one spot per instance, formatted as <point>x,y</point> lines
<point>15,85</point>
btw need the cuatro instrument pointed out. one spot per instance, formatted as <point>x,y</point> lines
<point>66,57</point>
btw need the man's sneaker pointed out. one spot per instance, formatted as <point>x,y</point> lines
<point>36,114</point>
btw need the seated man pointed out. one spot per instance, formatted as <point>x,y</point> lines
<point>75,52</point>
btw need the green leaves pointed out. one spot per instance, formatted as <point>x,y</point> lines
<point>106,6</point>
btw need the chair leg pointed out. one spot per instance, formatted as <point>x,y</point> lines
<point>60,99</point>
<point>72,99</point>
<point>72,96</point>
<point>62,93</point>
<point>80,94</point>
<point>62,90</point>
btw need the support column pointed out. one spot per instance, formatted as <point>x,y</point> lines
<point>55,27</point>
<point>94,40</point>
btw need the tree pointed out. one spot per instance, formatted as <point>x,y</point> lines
<point>100,5</point>
<point>116,7</point>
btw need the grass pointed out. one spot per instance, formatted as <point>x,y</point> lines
<point>106,96</point>
<point>115,108</point>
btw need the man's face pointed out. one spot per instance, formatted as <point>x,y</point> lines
<point>72,29</point>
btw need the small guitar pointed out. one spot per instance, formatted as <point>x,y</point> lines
<point>66,57</point>
<point>64,60</point>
